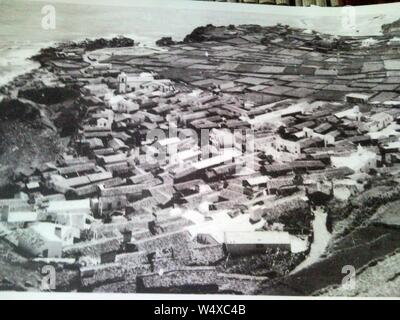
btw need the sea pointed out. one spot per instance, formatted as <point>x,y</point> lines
<point>22,33</point>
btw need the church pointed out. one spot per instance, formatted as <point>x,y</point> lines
<point>143,81</point>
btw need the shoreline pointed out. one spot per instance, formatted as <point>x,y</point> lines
<point>27,65</point>
<point>302,14</point>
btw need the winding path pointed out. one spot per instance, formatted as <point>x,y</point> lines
<point>321,240</point>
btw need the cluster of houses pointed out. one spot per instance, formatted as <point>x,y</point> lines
<point>162,171</point>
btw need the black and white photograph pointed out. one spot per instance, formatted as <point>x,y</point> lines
<point>200,148</point>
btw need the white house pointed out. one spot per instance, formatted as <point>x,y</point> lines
<point>127,106</point>
<point>223,139</point>
<point>168,145</point>
<point>327,138</point>
<point>283,145</point>
<point>13,215</point>
<point>71,213</point>
<point>103,123</point>
<point>190,155</point>
<point>378,122</point>
<point>360,161</point>
<point>245,242</point>
<point>98,89</point>
<point>351,114</point>
<point>44,240</point>
<point>129,83</point>
<point>120,105</point>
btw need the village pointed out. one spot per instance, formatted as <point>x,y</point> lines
<point>205,156</point>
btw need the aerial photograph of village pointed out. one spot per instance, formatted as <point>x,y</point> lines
<point>238,159</point>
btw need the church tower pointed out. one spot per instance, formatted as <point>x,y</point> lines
<point>122,82</point>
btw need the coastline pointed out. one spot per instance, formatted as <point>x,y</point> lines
<point>369,20</point>
<point>23,56</point>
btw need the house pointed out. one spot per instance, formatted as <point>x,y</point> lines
<point>283,145</point>
<point>132,191</point>
<point>224,171</point>
<point>99,176</point>
<point>62,185</point>
<point>73,213</point>
<point>188,187</point>
<point>45,240</point>
<point>111,159</point>
<point>360,161</point>
<point>168,145</point>
<point>117,144</point>
<point>188,156</point>
<point>256,182</point>
<point>15,215</point>
<point>222,138</point>
<point>33,186</point>
<point>305,165</point>
<point>96,89</point>
<point>244,242</point>
<point>228,156</point>
<point>330,173</point>
<point>121,105</point>
<point>102,126</point>
<point>94,143</point>
<point>391,147</point>
<point>274,185</point>
<point>15,203</point>
<point>327,138</point>
<point>276,169</point>
<point>145,80</point>
<point>378,122</point>
<point>358,98</point>
<point>77,169</point>
<point>350,114</point>
<point>110,203</point>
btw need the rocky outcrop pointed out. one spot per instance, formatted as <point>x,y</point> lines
<point>165,42</point>
<point>391,28</point>
<point>117,42</point>
<point>49,54</point>
<point>209,33</point>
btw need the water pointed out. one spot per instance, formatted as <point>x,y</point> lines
<point>22,35</point>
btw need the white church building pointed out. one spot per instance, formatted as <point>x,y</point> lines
<point>145,80</point>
